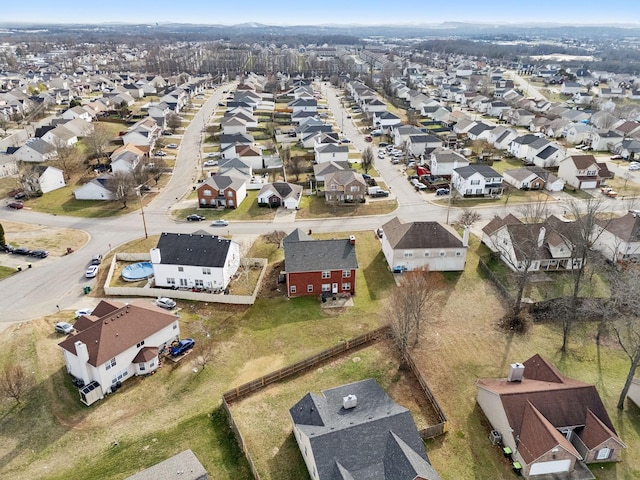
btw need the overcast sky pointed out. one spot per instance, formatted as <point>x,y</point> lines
<point>304,12</point>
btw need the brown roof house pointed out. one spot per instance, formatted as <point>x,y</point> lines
<point>583,171</point>
<point>549,424</point>
<point>344,186</point>
<point>619,238</point>
<point>116,342</point>
<point>222,191</point>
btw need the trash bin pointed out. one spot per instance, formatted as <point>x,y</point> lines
<point>19,267</point>
<point>87,289</point>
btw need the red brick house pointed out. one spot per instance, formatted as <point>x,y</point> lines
<point>551,424</point>
<point>315,267</point>
<point>222,191</point>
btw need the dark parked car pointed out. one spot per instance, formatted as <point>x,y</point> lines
<point>16,205</point>
<point>20,195</point>
<point>6,248</point>
<point>182,346</point>
<point>96,259</point>
<point>380,193</point>
<point>22,251</point>
<point>442,191</point>
<point>39,253</point>
<point>194,217</point>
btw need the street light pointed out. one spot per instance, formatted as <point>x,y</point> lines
<point>140,198</point>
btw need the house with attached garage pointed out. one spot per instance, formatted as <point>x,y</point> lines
<point>442,161</point>
<point>322,169</point>
<point>533,178</point>
<point>278,194</point>
<point>197,260</point>
<point>330,152</point>
<point>96,189</point>
<point>116,342</point>
<point>583,171</point>
<point>315,267</point>
<point>344,186</point>
<point>549,424</point>
<point>411,246</point>
<point>357,431</point>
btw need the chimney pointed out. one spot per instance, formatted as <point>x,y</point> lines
<point>465,237</point>
<point>83,359</point>
<point>352,239</point>
<point>516,372</point>
<point>155,255</point>
<point>350,401</point>
<point>543,232</point>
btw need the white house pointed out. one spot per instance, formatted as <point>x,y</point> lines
<point>43,178</point>
<point>125,161</point>
<point>442,161</point>
<point>581,171</point>
<point>618,238</point>
<point>60,136</point>
<point>330,152</point>
<point>476,179</point>
<point>96,189</point>
<point>278,194</point>
<point>414,245</point>
<point>115,343</point>
<point>198,260</point>
<point>77,112</point>
<point>35,150</point>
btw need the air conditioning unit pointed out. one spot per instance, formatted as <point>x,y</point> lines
<point>350,401</point>
<point>495,437</point>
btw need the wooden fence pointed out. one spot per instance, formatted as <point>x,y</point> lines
<point>240,439</point>
<point>495,280</point>
<point>298,367</point>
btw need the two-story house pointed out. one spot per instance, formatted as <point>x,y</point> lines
<point>344,186</point>
<point>222,191</point>
<point>476,180</point>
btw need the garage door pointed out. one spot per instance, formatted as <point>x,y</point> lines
<point>550,467</point>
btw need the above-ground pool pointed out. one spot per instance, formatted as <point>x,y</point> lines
<point>137,271</point>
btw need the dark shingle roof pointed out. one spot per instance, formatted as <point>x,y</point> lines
<point>419,235</point>
<point>319,255</point>
<point>191,249</point>
<point>484,170</point>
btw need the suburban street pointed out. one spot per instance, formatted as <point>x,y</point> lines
<point>57,281</point>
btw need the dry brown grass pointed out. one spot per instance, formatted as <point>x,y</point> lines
<point>55,240</point>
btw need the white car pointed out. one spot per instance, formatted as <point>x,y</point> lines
<point>213,155</point>
<point>165,302</point>
<point>92,271</point>
<point>210,163</point>
<point>634,166</point>
<point>84,311</point>
<point>172,145</point>
<point>64,328</point>
<point>219,223</point>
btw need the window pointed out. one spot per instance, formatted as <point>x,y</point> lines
<point>346,274</point>
<point>408,253</point>
<point>199,283</point>
<point>310,288</point>
<point>468,191</point>
<point>141,366</point>
<point>121,374</point>
<point>334,187</point>
<point>207,193</point>
<point>475,182</point>
<point>171,281</point>
<point>181,269</point>
<point>604,453</point>
<point>326,274</point>
<point>139,344</point>
<point>458,254</point>
<point>326,287</point>
<point>293,289</point>
<point>152,364</point>
<point>110,363</point>
<point>354,188</point>
<point>346,286</point>
<point>230,193</point>
<point>442,253</point>
<point>206,271</point>
<point>426,254</point>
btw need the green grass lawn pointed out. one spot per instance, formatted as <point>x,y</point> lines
<point>247,210</point>
<point>316,207</point>
<point>6,272</point>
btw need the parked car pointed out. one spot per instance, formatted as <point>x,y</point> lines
<point>39,253</point>
<point>20,195</point>
<point>92,271</point>
<point>368,138</point>
<point>16,205</point>
<point>160,153</point>
<point>6,248</point>
<point>213,155</point>
<point>172,145</point>
<point>194,217</point>
<point>21,251</point>
<point>165,302</point>
<point>210,163</point>
<point>219,223</point>
<point>64,328</point>
<point>345,140</point>
<point>96,260</point>
<point>84,311</point>
<point>616,157</point>
<point>182,346</point>
<point>380,193</point>
<point>442,191</point>
<point>634,166</point>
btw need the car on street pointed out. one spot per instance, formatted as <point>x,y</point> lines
<point>172,145</point>
<point>219,223</point>
<point>194,217</point>
<point>16,205</point>
<point>634,166</point>
<point>345,140</point>
<point>92,271</point>
<point>83,311</point>
<point>442,191</point>
<point>21,251</point>
<point>616,157</point>
<point>210,163</point>
<point>165,302</point>
<point>96,260</point>
<point>182,346</point>
<point>368,138</point>
<point>380,155</point>
<point>39,253</point>
<point>64,328</point>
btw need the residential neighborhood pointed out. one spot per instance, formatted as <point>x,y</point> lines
<point>319,252</point>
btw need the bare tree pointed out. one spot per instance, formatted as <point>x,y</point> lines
<point>627,331</point>
<point>295,165</point>
<point>68,158</point>
<point>205,345</point>
<point>408,306</point>
<point>468,217</point>
<point>275,237</point>
<point>14,382</point>
<point>367,159</point>
<point>123,187</point>
<point>98,141</point>
<point>174,121</point>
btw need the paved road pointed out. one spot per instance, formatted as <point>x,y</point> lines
<point>529,90</point>
<point>59,281</point>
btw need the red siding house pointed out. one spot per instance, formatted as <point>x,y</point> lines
<point>315,267</point>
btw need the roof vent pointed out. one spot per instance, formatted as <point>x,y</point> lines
<point>350,401</point>
<point>516,372</point>
<point>352,239</point>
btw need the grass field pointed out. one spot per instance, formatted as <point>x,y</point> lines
<point>316,207</point>
<point>51,435</point>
